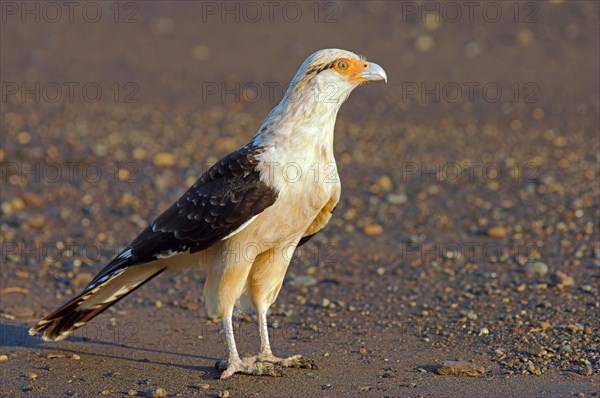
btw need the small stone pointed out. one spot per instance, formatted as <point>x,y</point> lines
<point>459,368</point>
<point>380,271</point>
<point>566,348</point>
<point>364,388</point>
<point>14,206</point>
<point>75,357</point>
<point>32,376</point>
<point>201,52</point>
<point>132,393</point>
<point>3,358</point>
<point>384,183</point>
<point>33,200</point>
<point>563,280</point>
<point>545,325</point>
<point>363,351</point>
<point>157,393</point>
<point>471,315</point>
<point>525,38</point>
<point>497,232</point>
<point>165,159</point>
<point>424,43</point>
<point>301,280</point>
<point>105,392</point>
<point>23,138</point>
<point>139,153</point>
<point>535,269</point>
<point>36,222</point>
<point>205,386</point>
<point>397,199</point>
<point>224,394</point>
<point>373,229</point>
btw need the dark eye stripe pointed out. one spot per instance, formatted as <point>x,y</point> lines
<point>319,68</point>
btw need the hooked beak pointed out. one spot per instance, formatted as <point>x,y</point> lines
<point>373,72</point>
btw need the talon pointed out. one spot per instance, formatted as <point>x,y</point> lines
<point>250,366</point>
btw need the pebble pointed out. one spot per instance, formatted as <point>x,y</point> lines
<point>13,206</point>
<point>139,153</point>
<point>373,229</point>
<point>525,38</point>
<point>535,269</point>
<point>424,43</point>
<point>566,348</point>
<point>36,222</point>
<point>132,393</point>
<point>3,358</point>
<point>384,183</point>
<point>224,394</point>
<point>105,392</point>
<point>301,280</point>
<point>157,393</point>
<point>32,376</point>
<point>201,52</point>
<point>75,357</point>
<point>164,159</point>
<point>397,199</point>
<point>459,368</point>
<point>563,280</point>
<point>497,232</point>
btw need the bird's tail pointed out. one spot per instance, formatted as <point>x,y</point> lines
<point>120,278</point>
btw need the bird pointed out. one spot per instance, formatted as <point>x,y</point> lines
<point>242,220</point>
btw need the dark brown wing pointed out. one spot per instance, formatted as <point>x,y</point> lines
<point>228,195</point>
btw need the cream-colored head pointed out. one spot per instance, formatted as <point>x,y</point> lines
<point>323,82</point>
<point>329,76</point>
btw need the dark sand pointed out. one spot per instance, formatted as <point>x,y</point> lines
<point>447,201</point>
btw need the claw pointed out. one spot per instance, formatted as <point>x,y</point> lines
<point>249,366</point>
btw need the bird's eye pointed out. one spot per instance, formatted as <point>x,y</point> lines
<point>343,65</point>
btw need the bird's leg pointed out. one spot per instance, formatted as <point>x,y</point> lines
<point>233,358</point>
<point>233,364</point>
<point>266,355</point>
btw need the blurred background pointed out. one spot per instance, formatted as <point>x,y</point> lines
<point>487,133</point>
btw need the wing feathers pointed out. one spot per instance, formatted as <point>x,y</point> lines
<point>226,197</point>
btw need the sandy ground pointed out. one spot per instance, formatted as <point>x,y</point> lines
<point>467,230</point>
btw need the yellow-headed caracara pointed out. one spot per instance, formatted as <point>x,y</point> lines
<point>248,209</point>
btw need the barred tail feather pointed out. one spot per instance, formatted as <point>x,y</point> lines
<point>110,286</point>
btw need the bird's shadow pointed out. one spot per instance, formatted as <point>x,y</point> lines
<point>17,335</point>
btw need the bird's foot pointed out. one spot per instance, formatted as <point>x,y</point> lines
<point>295,361</point>
<point>248,366</point>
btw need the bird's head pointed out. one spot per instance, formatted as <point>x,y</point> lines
<point>328,77</point>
